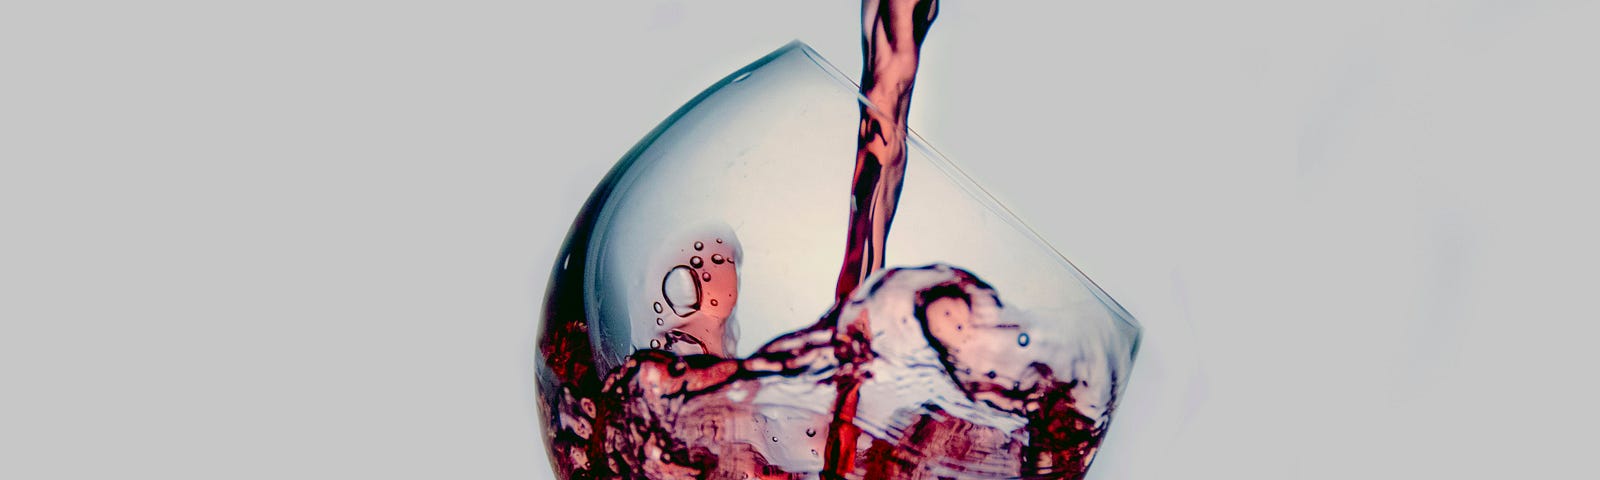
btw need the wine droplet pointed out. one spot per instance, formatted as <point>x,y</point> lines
<point>713,302</point>
<point>705,276</point>
<point>660,322</point>
<point>655,343</point>
<point>699,245</point>
<point>658,307</point>
<point>1022,339</point>
<point>696,262</point>
<point>716,258</point>
<point>811,432</point>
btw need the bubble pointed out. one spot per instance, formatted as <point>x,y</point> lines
<point>660,322</point>
<point>774,439</point>
<point>654,343</point>
<point>699,246</point>
<point>696,262</point>
<point>682,290</point>
<point>716,258</point>
<point>811,432</point>
<point>719,240</point>
<point>658,307</point>
<point>1022,340</point>
<point>713,302</point>
<point>705,276</point>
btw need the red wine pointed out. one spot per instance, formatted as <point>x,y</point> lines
<point>912,372</point>
<point>662,415</point>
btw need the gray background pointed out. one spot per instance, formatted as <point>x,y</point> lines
<point>304,239</point>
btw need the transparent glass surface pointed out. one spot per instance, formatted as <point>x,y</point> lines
<point>712,251</point>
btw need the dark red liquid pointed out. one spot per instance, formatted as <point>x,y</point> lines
<point>662,415</point>
<point>812,403</point>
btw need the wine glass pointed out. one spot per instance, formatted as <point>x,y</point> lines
<point>691,326</point>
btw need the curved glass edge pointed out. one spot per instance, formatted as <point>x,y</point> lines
<point>618,179</point>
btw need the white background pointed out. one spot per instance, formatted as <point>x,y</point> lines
<point>300,239</point>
